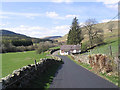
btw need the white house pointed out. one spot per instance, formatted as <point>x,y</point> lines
<point>67,49</point>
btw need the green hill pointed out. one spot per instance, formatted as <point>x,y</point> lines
<point>104,26</point>
<point>9,35</point>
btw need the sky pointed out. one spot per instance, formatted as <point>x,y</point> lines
<point>40,19</point>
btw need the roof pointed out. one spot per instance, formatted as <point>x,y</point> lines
<point>70,47</point>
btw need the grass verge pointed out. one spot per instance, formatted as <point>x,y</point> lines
<point>113,79</point>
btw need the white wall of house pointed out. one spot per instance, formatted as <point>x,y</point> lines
<point>63,53</point>
<point>67,53</point>
<point>75,51</point>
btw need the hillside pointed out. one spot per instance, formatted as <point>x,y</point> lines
<point>52,37</point>
<point>104,26</point>
<point>9,35</point>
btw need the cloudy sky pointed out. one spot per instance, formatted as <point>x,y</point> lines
<point>40,19</point>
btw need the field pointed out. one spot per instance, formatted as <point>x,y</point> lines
<point>13,61</point>
<point>104,49</point>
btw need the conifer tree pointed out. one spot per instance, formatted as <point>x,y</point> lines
<point>75,34</point>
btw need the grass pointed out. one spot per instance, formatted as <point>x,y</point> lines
<point>112,78</point>
<point>54,48</point>
<point>104,49</point>
<point>58,53</point>
<point>46,78</point>
<point>13,61</point>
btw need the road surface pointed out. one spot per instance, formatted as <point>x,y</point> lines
<point>0,84</point>
<point>71,75</point>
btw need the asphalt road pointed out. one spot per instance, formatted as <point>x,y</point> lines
<point>71,75</point>
<point>0,85</point>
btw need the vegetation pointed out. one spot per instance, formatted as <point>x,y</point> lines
<point>54,48</point>
<point>13,61</point>
<point>75,34</point>
<point>22,42</point>
<point>8,47</point>
<point>110,27</point>
<point>104,49</point>
<point>95,34</point>
<point>14,42</point>
<point>103,26</point>
<point>44,46</point>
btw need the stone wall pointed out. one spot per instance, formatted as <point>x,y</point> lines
<point>81,58</point>
<point>99,62</point>
<point>21,78</point>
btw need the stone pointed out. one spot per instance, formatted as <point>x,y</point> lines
<point>109,74</point>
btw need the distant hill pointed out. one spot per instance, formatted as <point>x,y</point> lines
<point>9,35</point>
<point>51,37</point>
<point>104,26</point>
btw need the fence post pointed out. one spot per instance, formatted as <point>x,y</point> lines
<point>110,50</point>
<point>35,65</point>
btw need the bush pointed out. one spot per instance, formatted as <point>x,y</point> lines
<point>44,46</point>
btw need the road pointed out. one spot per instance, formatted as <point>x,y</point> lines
<point>0,84</point>
<point>71,75</point>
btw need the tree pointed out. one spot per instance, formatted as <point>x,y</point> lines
<point>95,34</point>
<point>75,34</point>
<point>44,46</point>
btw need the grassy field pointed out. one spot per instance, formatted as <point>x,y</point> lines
<point>104,49</point>
<point>13,61</point>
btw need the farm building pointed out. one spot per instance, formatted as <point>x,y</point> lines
<point>67,49</point>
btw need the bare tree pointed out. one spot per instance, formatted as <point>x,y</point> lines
<point>95,34</point>
<point>110,27</point>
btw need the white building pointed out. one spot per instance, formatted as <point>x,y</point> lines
<point>67,49</point>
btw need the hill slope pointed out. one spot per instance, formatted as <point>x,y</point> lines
<point>104,26</point>
<point>9,35</point>
<point>6,34</point>
<point>52,37</point>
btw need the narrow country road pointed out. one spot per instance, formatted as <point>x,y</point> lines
<point>71,75</point>
<point>0,85</point>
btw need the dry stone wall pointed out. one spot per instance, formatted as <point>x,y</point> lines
<point>81,58</point>
<point>99,62</point>
<point>22,77</point>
